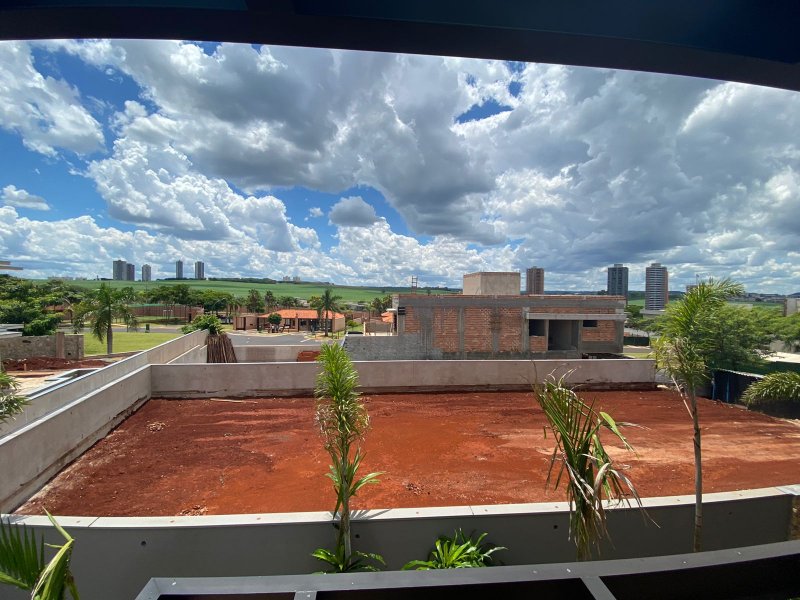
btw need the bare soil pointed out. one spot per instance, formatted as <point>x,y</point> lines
<point>46,363</point>
<point>178,457</point>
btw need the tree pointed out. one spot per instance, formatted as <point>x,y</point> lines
<point>101,308</point>
<point>274,319</point>
<point>255,303</point>
<point>343,421</point>
<point>591,474</point>
<point>740,340</point>
<point>380,304</point>
<point>269,300</point>
<point>329,304</point>
<point>287,302</point>
<point>686,348</point>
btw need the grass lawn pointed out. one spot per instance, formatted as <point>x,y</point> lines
<point>295,290</point>
<point>126,342</point>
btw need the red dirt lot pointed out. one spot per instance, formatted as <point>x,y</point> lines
<point>219,456</point>
<point>47,363</point>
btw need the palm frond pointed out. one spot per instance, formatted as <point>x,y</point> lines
<point>579,452</point>
<point>21,557</point>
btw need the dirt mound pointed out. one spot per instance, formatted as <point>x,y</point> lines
<point>46,363</point>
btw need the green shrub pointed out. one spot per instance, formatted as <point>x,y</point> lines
<point>458,552</point>
<point>45,325</point>
<point>209,322</point>
<point>775,388</point>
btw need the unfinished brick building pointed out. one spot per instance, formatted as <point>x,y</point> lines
<point>512,326</point>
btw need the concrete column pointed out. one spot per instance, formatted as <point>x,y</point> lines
<point>60,351</point>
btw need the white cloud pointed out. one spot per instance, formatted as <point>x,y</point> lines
<point>23,199</point>
<point>590,167</point>
<point>45,112</point>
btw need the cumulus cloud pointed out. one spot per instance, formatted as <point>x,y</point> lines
<point>352,212</point>
<point>582,168</point>
<point>45,112</point>
<point>23,199</point>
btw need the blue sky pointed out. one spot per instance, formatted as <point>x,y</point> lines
<point>370,168</point>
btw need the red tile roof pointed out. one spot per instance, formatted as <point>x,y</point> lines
<point>303,313</point>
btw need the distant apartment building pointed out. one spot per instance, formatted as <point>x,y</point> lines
<point>178,269</point>
<point>199,270</point>
<point>130,272</point>
<point>120,270</point>
<point>534,280</point>
<point>617,281</point>
<point>147,273</point>
<point>656,287</point>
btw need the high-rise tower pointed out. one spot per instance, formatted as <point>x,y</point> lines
<point>656,287</point>
<point>617,281</point>
<point>534,280</point>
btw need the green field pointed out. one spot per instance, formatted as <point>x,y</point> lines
<point>295,290</point>
<point>125,341</point>
<point>640,302</point>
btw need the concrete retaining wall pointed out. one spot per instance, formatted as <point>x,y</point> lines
<point>256,354</point>
<point>406,347</point>
<point>32,455</point>
<point>54,398</point>
<point>115,557</point>
<point>286,379</point>
<point>40,345</point>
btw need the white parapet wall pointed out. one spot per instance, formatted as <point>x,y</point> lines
<point>263,353</point>
<point>115,557</point>
<point>286,379</point>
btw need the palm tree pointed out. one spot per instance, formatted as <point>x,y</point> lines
<point>330,304</point>
<point>101,308</point>
<point>775,388</point>
<point>343,421</point>
<point>592,476</point>
<point>684,350</point>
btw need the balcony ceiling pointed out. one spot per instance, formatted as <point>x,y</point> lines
<point>750,41</point>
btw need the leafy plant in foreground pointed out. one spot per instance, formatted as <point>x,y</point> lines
<point>343,421</point>
<point>774,388</point>
<point>22,562</point>
<point>458,552</point>
<point>10,403</point>
<point>591,474</point>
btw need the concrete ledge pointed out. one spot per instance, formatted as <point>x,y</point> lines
<point>288,379</point>
<point>115,557</point>
<point>34,454</point>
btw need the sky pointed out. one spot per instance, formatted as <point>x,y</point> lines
<point>366,168</point>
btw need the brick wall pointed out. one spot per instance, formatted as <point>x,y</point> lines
<point>606,331</point>
<point>445,329</point>
<point>538,343</point>
<point>511,324</point>
<point>40,345</point>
